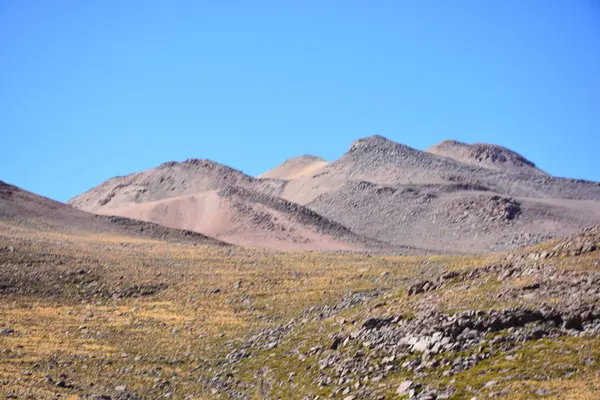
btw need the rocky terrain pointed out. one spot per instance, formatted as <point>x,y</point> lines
<point>100,306</point>
<point>25,209</point>
<point>435,351</point>
<point>134,291</point>
<point>400,195</point>
<point>453,197</point>
<point>486,155</point>
<point>112,315</point>
<point>450,218</point>
<point>382,161</point>
<point>220,202</point>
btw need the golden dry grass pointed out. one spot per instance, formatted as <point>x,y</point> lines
<point>98,332</point>
<point>62,328</point>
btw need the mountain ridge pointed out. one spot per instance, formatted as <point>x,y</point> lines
<point>378,189</point>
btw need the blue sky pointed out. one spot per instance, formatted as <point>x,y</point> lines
<point>94,89</point>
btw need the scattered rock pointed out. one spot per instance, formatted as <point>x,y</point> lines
<point>490,384</point>
<point>376,323</point>
<point>7,332</point>
<point>404,387</point>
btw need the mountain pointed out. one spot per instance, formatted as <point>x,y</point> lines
<point>381,161</point>
<point>213,199</point>
<point>485,155</point>
<point>21,208</point>
<point>296,167</point>
<point>452,218</point>
<point>401,195</point>
<point>171,179</point>
<point>246,217</point>
<point>451,197</point>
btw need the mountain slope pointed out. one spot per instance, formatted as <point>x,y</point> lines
<point>213,199</point>
<point>452,218</point>
<point>246,217</point>
<point>378,160</point>
<point>485,155</point>
<point>296,167</point>
<point>20,208</point>
<point>394,193</point>
<point>170,179</point>
<point>452,197</point>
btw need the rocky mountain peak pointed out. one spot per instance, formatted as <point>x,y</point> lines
<point>485,155</point>
<point>378,144</point>
<point>497,154</point>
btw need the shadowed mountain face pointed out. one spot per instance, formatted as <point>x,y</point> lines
<point>451,197</point>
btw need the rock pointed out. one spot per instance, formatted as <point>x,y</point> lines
<point>121,388</point>
<point>420,287</point>
<point>542,392</point>
<point>376,323</point>
<point>271,345</point>
<point>505,275</point>
<point>336,343</point>
<point>422,345</point>
<point>436,348</point>
<point>531,286</point>
<point>7,332</point>
<point>387,360</point>
<point>490,384</point>
<point>450,275</point>
<point>404,387</point>
<point>573,322</point>
<point>447,394</point>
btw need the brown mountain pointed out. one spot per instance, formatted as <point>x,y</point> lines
<point>218,201</point>
<point>485,155</point>
<point>295,168</point>
<point>452,197</point>
<point>397,194</point>
<point>19,207</point>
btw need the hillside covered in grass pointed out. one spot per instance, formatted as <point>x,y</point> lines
<point>99,317</point>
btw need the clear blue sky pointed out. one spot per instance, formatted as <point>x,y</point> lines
<point>93,89</point>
